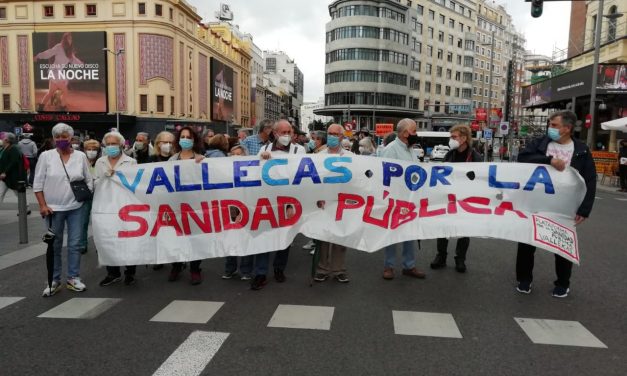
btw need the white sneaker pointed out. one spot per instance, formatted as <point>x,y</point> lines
<point>75,284</point>
<point>52,289</point>
<point>309,246</point>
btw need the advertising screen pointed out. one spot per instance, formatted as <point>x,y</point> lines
<point>221,91</point>
<point>70,71</point>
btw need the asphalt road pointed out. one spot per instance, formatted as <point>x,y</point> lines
<point>361,339</point>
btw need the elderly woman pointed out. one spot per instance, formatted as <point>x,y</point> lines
<point>92,151</point>
<point>11,165</point>
<point>366,146</point>
<point>218,146</point>
<point>113,160</point>
<point>164,147</point>
<point>56,168</point>
<point>188,145</point>
<point>318,142</point>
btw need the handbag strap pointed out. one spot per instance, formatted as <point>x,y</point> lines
<point>63,164</point>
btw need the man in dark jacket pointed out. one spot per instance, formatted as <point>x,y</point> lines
<point>622,165</point>
<point>11,165</point>
<point>461,151</point>
<point>560,150</point>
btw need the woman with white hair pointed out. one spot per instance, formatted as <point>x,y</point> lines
<point>55,170</point>
<point>112,160</point>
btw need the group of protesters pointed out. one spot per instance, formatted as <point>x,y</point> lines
<point>92,160</point>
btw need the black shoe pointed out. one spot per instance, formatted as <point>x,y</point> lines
<point>157,267</point>
<point>460,265</point>
<point>279,276</point>
<point>129,279</point>
<point>258,282</point>
<point>439,261</point>
<point>110,279</point>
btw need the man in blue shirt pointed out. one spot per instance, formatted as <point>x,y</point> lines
<point>254,143</point>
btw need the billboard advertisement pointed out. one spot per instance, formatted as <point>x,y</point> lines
<point>612,79</point>
<point>70,71</point>
<point>222,92</point>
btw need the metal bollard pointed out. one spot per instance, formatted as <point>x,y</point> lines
<point>22,207</point>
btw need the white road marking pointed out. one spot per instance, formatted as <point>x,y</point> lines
<point>621,199</point>
<point>558,332</point>
<point>22,255</point>
<point>426,324</point>
<point>302,317</point>
<point>7,301</point>
<point>80,308</point>
<point>193,355</point>
<point>187,311</point>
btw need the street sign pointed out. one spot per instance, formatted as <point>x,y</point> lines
<point>487,134</point>
<point>504,128</point>
<point>383,129</point>
<point>588,121</point>
<point>479,134</point>
<point>17,131</point>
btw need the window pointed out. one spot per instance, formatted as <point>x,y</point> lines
<point>430,32</point>
<point>90,9</point>
<point>451,23</point>
<point>143,103</point>
<point>431,15</point>
<point>158,9</point>
<point>438,89</point>
<point>457,92</point>
<point>438,71</point>
<point>450,40</point>
<point>449,57</point>
<point>160,104</point>
<point>428,68</point>
<point>611,28</point>
<point>441,36</point>
<point>447,90</point>
<point>461,27</point>
<point>420,10</point>
<point>172,105</point>
<point>429,50</point>
<point>440,54</point>
<point>48,11</point>
<point>141,8</point>
<point>427,88</point>
<point>449,74</point>
<point>6,102</point>
<point>171,14</point>
<point>69,10</point>
<point>3,13</point>
<point>442,19</point>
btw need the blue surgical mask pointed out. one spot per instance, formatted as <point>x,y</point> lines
<point>333,141</point>
<point>554,134</point>
<point>186,143</point>
<point>112,151</point>
<point>311,144</point>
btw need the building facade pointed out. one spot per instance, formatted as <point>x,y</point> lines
<point>284,75</point>
<point>308,116</point>
<point>139,65</point>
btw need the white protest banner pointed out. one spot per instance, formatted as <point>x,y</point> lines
<point>181,211</point>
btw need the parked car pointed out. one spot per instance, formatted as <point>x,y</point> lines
<point>438,152</point>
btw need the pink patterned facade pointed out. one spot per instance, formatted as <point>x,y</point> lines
<point>203,97</point>
<point>182,76</point>
<point>119,41</point>
<point>24,74</point>
<point>156,58</point>
<point>4,59</point>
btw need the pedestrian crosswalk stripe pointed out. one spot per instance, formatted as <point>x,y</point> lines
<point>427,324</point>
<point>558,332</point>
<point>80,308</point>
<point>193,355</point>
<point>188,311</point>
<point>7,301</point>
<point>621,199</point>
<point>302,317</point>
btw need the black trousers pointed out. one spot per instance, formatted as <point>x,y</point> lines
<point>524,266</point>
<point>115,270</point>
<point>460,249</point>
<point>622,173</point>
<point>194,266</point>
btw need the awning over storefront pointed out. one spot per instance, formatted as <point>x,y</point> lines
<point>615,125</point>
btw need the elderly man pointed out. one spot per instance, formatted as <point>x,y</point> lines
<point>141,150</point>
<point>400,148</point>
<point>254,143</point>
<point>559,149</point>
<point>332,256</point>
<point>11,165</point>
<point>242,134</point>
<point>282,144</point>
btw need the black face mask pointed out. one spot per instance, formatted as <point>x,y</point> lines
<point>412,139</point>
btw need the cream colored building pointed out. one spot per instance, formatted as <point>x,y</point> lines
<point>157,68</point>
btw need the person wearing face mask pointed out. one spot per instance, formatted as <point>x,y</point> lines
<point>400,148</point>
<point>164,147</point>
<point>92,151</point>
<point>460,145</point>
<point>55,169</point>
<point>366,146</point>
<point>282,145</point>
<point>188,146</point>
<point>141,149</point>
<point>254,143</point>
<point>622,165</point>
<point>318,142</point>
<point>560,150</point>
<point>113,160</point>
<point>76,143</point>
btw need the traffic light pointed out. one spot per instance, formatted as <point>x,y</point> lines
<point>536,8</point>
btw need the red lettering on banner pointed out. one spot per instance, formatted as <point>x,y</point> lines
<point>452,204</point>
<point>347,201</point>
<point>216,216</point>
<point>424,209</point>
<point>260,215</point>
<point>125,215</point>
<point>508,206</point>
<point>466,205</point>
<point>187,212</point>
<point>230,223</point>
<point>368,218</point>
<point>404,212</point>
<point>290,211</point>
<point>166,218</point>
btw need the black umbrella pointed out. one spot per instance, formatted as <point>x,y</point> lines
<point>48,238</point>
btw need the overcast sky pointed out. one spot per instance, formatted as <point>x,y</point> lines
<point>297,27</point>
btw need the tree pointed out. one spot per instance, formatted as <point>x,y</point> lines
<point>316,125</point>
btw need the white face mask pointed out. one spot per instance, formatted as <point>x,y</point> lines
<point>139,145</point>
<point>453,144</point>
<point>361,149</point>
<point>91,154</point>
<point>75,146</point>
<point>285,140</point>
<point>1,142</point>
<point>166,149</point>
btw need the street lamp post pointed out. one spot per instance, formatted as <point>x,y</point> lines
<point>117,112</point>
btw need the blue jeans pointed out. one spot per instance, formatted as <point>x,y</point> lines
<point>262,260</point>
<point>74,220</point>
<point>409,259</point>
<point>245,265</point>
